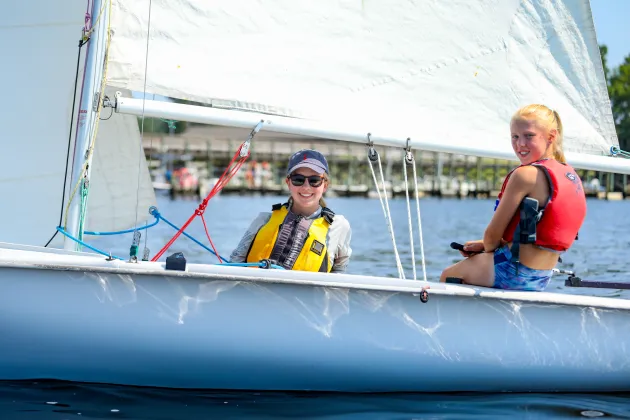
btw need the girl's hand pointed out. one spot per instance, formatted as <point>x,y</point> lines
<point>472,248</point>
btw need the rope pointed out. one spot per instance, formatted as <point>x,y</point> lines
<point>241,155</point>
<point>62,230</point>
<point>74,102</point>
<point>84,196</point>
<point>146,236</point>
<point>99,107</point>
<point>121,232</point>
<point>157,214</point>
<point>98,251</point>
<point>144,98</point>
<point>617,151</point>
<point>85,38</point>
<point>258,264</point>
<point>208,235</point>
<point>89,31</point>
<point>385,207</point>
<point>415,181</point>
<point>413,257</point>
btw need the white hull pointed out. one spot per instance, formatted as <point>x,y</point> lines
<point>81,318</point>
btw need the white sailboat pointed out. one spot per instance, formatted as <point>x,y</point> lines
<point>446,76</point>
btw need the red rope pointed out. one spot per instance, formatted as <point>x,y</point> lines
<point>229,172</point>
<point>208,235</point>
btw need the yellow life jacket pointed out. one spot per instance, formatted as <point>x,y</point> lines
<point>294,242</point>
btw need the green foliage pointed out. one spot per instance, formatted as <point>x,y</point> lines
<point>619,88</point>
<point>603,51</point>
<point>618,80</point>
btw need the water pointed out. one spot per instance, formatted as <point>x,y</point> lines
<point>599,254</point>
<point>78,401</point>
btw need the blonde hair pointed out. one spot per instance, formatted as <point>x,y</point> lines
<point>548,119</point>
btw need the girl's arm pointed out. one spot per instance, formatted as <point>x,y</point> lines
<point>344,251</point>
<point>520,184</point>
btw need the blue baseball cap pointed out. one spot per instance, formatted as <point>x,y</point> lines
<point>308,158</point>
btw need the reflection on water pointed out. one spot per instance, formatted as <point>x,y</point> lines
<point>58,400</point>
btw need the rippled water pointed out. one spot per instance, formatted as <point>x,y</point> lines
<point>50,400</point>
<point>601,253</point>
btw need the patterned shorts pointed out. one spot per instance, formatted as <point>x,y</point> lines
<point>506,275</point>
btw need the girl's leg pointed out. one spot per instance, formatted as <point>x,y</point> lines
<point>477,270</point>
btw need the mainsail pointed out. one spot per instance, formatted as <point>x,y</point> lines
<point>451,71</point>
<point>39,46</point>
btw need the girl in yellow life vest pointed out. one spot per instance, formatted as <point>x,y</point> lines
<point>301,234</point>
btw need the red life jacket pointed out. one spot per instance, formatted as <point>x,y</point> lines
<point>564,211</point>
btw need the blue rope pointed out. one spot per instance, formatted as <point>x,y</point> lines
<point>60,229</point>
<point>158,216</point>
<point>120,232</point>
<point>614,150</point>
<point>154,211</point>
<point>259,265</point>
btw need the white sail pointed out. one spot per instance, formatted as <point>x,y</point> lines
<point>450,71</point>
<point>115,201</point>
<point>39,46</point>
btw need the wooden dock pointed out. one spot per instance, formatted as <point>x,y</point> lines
<point>209,150</point>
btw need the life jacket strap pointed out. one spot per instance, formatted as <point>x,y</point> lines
<point>525,232</point>
<point>278,206</point>
<point>328,214</point>
<point>291,238</point>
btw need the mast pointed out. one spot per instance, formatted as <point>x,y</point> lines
<point>87,118</point>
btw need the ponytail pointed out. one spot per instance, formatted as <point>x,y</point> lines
<point>558,153</point>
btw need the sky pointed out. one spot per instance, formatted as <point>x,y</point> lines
<point>612,25</point>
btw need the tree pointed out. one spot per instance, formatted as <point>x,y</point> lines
<point>618,81</point>
<point>619,88</point>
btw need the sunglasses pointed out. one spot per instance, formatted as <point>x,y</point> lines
<point>313,180</point>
